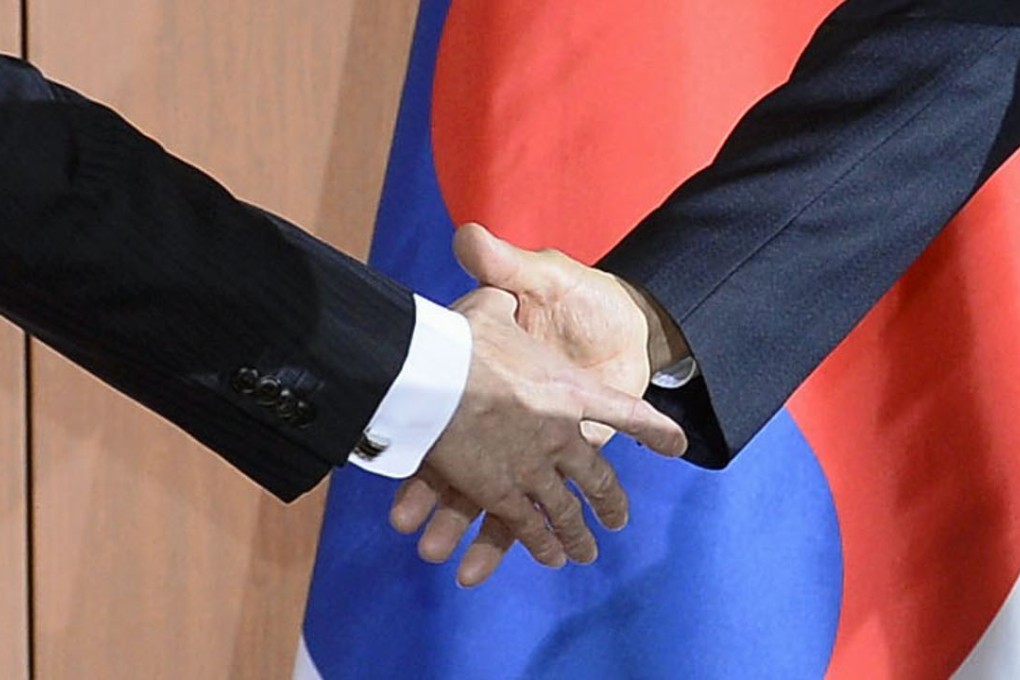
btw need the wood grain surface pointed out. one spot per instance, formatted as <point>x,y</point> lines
<point>10,27</point>
<point>153,558</point>
<point>13,450</point>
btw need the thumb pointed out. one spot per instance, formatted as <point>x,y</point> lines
<point>491,260</point>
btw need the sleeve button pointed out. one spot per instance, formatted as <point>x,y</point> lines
<point>244,380</point>
<point>267,391</point>
<point>286,405</point>
<point>304,414</point>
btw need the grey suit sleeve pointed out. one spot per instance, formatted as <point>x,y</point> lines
<point>824,194</point>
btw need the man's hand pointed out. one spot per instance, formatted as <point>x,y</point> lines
<point>516,439</point>
<point>584,313</point>
<point>613,332</point>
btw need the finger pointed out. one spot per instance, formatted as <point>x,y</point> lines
<point>447,527</point>
<point>597,480</point>
<point>497,301</point>
<point>415,500</point>
<point>528,525</point>
<point>485,553</point>
<point>489,259</point>
<point>495,262</point>
<point>596,435</point>
<point>566,517</point>
<point>632,416</point>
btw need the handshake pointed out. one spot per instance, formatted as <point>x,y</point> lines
<point>561,354</point>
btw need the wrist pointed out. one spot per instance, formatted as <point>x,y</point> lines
<point>666,344</point>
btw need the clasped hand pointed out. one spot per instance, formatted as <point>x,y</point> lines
<point>561,355</point>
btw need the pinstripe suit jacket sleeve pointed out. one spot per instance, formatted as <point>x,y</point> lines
<point>150,275</point>
<point>824,194</point>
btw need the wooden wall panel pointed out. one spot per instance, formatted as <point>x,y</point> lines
<point>13,502</point>
<point>13,505</point>
<point>10,26</point>
<point>153,558</point>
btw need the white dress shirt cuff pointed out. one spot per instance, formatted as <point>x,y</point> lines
<point>677,375</point>
<point>422,399</point>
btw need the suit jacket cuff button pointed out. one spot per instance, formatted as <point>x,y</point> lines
<point>244,380</point>
<point>267,391</point>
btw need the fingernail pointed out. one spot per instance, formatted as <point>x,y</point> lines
<point>466,586</point>
<point>683,443</point>
<point>679,448</point>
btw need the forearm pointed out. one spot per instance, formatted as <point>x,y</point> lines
<point>666,344</point>
<point>149,274</point>
<point>826,192</point>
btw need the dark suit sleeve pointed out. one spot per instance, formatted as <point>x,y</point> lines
<point>150,275</point>
<point>824,194</point>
